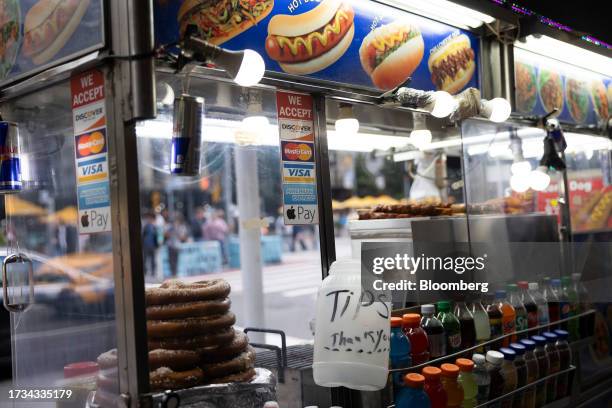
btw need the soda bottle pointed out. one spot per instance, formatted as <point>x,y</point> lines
<point>508,371</point>
<point>452,327</point>
<point>419,345</point>
<point>468,382</point>
<point>481,375</point>
<point>496,388</point>
<point>586,323</point>
<point>543,365</point>
<point>554,365</point>
<point>565,360</point>
<point>543,317</point>
<point>399,354</point>
<point>495,322</point>
<point>532,372</point>
<point>530,305</point>
<point>572,298</point>
<point>521,374</point>
<point>508,317</point>
<point>468,327</point>
<point>519,308</point>
<point>552,301</point>
<point>412,394</point>
<point>433,387</point>
<point>564,307</point>
<point>454,392</point>
<point>435,332</point>
<point>481,323</point>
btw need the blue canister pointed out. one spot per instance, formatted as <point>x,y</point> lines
<point>10,166</point>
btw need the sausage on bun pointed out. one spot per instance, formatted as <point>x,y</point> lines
<point>390,53</point>
<point>48,26</point>
<point>311,41</point>
<point>451,63</point>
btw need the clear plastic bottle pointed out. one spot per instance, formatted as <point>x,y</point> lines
<point>543,365</point>
<point>399,356</point>
<point>532,372</point>
<point>554,365</point>
<point>494,363</point>
<point>509,373</point>
<point>519,308</point>
<point>495,322</point>
<point>433,387</point>
<point>565,360</point>
<point>468,382</point>
<point>564,307</point>
<point>543,317</point>
<point>481,322</point>
<point>482,378</point>
<point>454,391</point>
<point>436,336</point>
<point>573,325</point>
<point>530,305</point>
<point>419,344</point>
<point>412,394</point>
<point>468,327</point>
<point>521,374</point>
<point>586,323</point>
<point>508,317</point>
<point>452,327</point>
<point>552,301</point>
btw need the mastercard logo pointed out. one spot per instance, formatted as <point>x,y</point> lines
<point>297,151</point>
<point>92,143</point>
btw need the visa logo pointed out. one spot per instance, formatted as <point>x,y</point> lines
<point>92,169</point>
<point>299,172</point>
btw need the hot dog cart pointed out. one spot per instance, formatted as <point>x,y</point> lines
<point>150,149</point>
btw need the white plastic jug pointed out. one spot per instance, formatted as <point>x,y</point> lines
<point>351,346</point>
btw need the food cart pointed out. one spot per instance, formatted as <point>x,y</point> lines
<point>96,108</point>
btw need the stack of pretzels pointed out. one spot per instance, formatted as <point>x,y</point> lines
<point>191,338</point>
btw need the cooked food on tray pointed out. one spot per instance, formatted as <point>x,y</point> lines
<point>390,53</point>
<point>600,98</point>
<point>451,63</point>
<point>9,35</point>
<point>577,96</point>
<point>311,41</point>
<point>425,208</point>
<point>551,90</point>
<point>526,87</point>
<point>220,20</point>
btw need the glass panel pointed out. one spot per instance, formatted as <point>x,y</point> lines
<point>192,225</point>
<point>57,340</point>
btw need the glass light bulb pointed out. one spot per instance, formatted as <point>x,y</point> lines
<point>500,109</point>
<point>420,138</point>
<point>251,70</point>
<point>521,167</point>
<point>444,104</point>
<point>519,182</point>
<point>255,123</point>
<point>347,126</point>
<point>539,179</point>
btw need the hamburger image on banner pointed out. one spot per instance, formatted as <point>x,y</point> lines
<point>390,53</point>
<point>451,63</point>
<point>311,41</point>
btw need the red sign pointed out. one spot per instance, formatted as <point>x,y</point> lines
<point>86,88</point>
<point>294,106</point>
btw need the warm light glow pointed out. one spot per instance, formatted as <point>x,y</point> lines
<point>347,126</point>
<point>539,179</point>
<point>496,110</point>
<point>420,137</point>
<point>257,122</point>
<point>444,104</point>
<point>251,70</point>
<point>522,167</point>
<point>444,11</point>
<point>519,182</point>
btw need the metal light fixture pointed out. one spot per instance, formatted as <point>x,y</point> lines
<point>347,123</point>
<point>420,135</point>
<point>439,103</point>
<point>496,110</point>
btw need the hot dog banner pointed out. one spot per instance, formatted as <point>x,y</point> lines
<point>357,42</point>
<point>38,34</point>
<point>540,83</point>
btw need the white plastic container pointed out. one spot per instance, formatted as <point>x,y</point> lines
<point>351,346</point>
<point>391,230</point>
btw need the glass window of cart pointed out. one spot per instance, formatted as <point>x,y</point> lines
<point>227,222</point>
<point>70,322</point>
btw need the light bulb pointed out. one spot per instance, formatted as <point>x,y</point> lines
<point>519,182</point>
<point>252,69</point>
<point>497,109</point>
<point>588,153</point>
<point>539,179</point>
<point>420,137</point>
<point>521,167</point>
<point>347,126</point>
<point>255,123</point>
<point>444,104</point>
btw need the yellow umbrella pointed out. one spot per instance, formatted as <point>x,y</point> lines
<point>17,207</point>
<point>68,215</point>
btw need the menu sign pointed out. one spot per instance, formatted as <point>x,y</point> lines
<point>38,34</point>
<point>542,83</point>
<point>356,42</point>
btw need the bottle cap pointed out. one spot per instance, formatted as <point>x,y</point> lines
<point>396,322</point>
<point>550,337</point>
<point>464,364</point>
<point>576,276</point>
<point>555,282</point>
<point>522,284</point>
<point>539,340</point>
<point>508,353</point>
<point>533,286</point>
<point>563,334</point>
<point>449,370</point>
<point>511,287</point>
<point>500,294</point>
<point>494,357</point>
<point>478,358</point>
<point>431,372</point>
<point>428,309</point>
<point>80,369</point>
<point>443,306</point>
<point>546,279</point>
<point>518,348</point>
<point>529,344</point>
<point>414,380</point>
<point>411,318</point>
<point>565,280</point>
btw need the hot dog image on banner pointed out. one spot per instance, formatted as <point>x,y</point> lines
<point>357,42</point>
